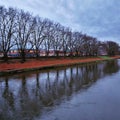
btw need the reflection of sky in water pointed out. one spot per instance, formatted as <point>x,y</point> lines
<point>100,102</point>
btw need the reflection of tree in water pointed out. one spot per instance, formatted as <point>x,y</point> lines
<point>28,106</point>
<point>8,95</point>
<point>31,100</point>
<point>111,67</point>
<point>55,86</point>
<point>9,102</point>
<point>46,97</point>
<point>69,84</point>
<point>91,73</point>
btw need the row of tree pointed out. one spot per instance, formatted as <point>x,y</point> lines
<point>20,30</point>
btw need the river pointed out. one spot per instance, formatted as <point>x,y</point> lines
<point>82,92</point>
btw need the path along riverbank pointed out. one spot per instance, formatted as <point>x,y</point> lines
<point>32,64</point>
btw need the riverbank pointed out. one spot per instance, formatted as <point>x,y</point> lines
<point>32,64</point>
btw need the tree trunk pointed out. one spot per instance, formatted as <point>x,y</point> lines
<point>5,57</point>
<point>23,57</point>
<point>37,53</point>
<point>64,53</point>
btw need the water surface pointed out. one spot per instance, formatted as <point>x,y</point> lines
<point>88,92</point>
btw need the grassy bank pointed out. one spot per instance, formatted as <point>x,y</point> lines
<point>31,65</point>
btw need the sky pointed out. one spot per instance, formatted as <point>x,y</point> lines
<point>97,18</point>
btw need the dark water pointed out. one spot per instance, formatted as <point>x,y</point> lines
<point>88,92</point>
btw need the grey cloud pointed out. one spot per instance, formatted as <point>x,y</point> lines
<point>99,18</point>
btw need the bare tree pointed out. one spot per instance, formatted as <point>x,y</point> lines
<point>47,44</point>
<point>71,42</point>
<point>94,46</point>
<point>25,27</point>
<point>57,40</point>
<point>79,40</point>
<point>39,35</point>
<point>20,29</point>
<point>86,45</point>
<point>112,48</point>
<point>7,30</point>
<point>65,38</point>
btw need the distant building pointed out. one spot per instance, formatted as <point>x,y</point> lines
<point>31,53</point>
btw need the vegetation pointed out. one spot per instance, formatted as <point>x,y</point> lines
<point>22,31</point>
<point>105,57</point>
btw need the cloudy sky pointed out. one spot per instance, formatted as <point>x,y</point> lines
<point>98,18</point>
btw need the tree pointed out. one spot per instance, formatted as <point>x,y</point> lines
<point>86,45</point>
<point>64,38</point>
<point>57,41</point>
<point>7,30</point>
<point>112,48</point>
<point>78,46</point>
<point>90,46</point>
<point>39,35</point>
<point>71,42</point>
<point>24,30</point>
<point>93,46</point>
<point>47,44</point>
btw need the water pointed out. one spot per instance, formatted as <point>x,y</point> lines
<point>88,92</point>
